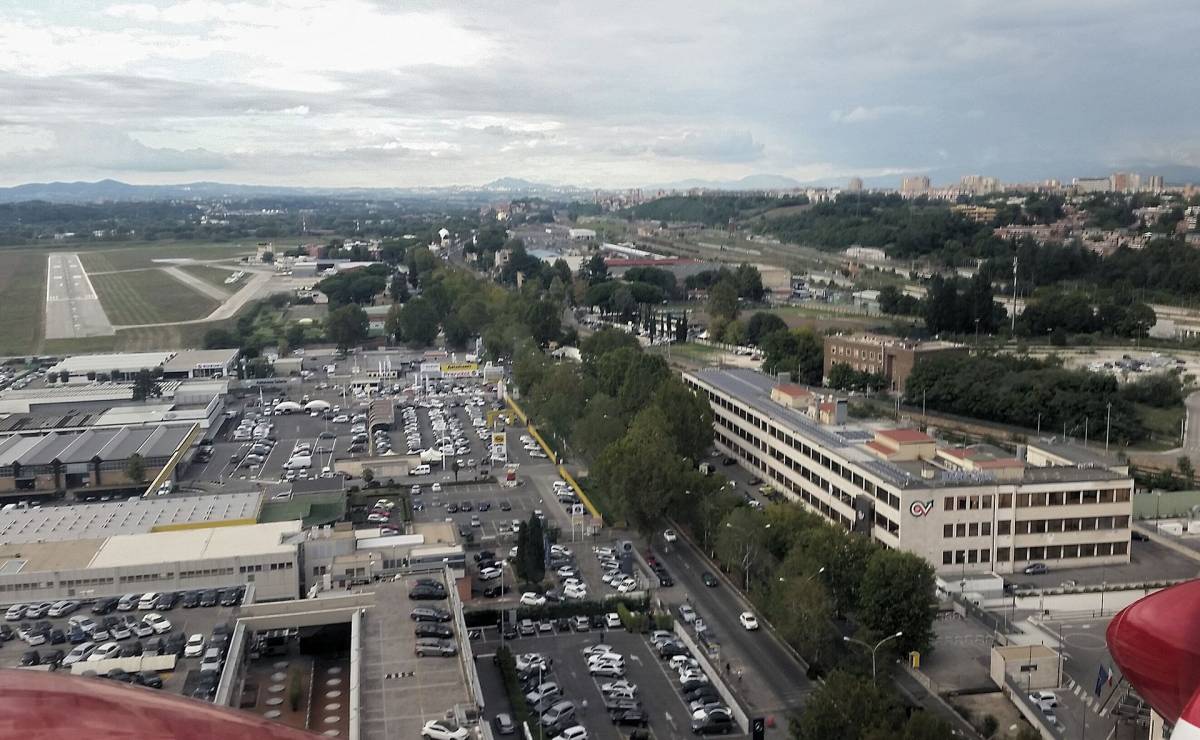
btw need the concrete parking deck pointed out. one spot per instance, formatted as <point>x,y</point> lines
<point>400,692</point>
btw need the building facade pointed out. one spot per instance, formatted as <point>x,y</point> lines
<point>891,357</point>
<point>963,509</point>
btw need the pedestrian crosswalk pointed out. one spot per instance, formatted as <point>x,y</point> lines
<point>1086,697</point>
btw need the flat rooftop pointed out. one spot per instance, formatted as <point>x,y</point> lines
<point>850,440</point>
<point>197,544</point>
<point>400,692</point>
<point>122,362</point>
<point>191,359</point>
<point>881,340</point>
<point>131,516</point>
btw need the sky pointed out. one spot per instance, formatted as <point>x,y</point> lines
<point>397,93</point>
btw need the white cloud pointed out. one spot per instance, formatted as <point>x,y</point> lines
<point>861,113</point>
<point>623,94</point>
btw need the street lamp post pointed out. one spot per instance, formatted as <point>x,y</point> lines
<point>872,649</point>
<point>1107,426</point>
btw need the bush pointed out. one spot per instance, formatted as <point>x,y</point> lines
<point>664,622</point>
<point>989,726</point>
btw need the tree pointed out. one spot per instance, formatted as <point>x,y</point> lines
<point>641,473</point>
<point>418,322</point>
<point>897,595</point>
<point>347,326</point>
<point>145,386</point>
<point>723,300</point>
<point>741,545</point>
<point>761,324</point>
<point>268,258</point>
<point>800,610</point>
<point>749,283</point>
<point>848,707</point>
<point>456,332</point>
<point>531,551</point>
<point>135,468</point>
<point>368,475</point>
<point>398,288</point>
<point>454,468</point>
<point>688,416</point>
<point>594,270</point>
<point>1186,470</point>
<point>841,376</point>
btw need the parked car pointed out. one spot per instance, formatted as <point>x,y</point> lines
<point>429,614</point>
<point>709,579</point>
<point>504,725</point>
<point>440,729</point>
<point>1035,569</point>
<point>434,646</point>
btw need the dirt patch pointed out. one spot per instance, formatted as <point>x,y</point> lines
<point>977,706</point>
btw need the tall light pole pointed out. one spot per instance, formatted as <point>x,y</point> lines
<point>1107,425</point>
<point>873,649</point>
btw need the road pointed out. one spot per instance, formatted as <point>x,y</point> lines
<point>72,307</point>
<point>773,683</point>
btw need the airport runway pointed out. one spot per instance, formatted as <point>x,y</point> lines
<point>72,306</point>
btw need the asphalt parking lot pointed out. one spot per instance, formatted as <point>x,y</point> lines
<point>657,686</point>
<point>199,620</point>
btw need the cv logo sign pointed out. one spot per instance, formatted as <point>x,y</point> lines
<point>920,508</point>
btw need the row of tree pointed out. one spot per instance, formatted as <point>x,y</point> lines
<point>1025,392</point>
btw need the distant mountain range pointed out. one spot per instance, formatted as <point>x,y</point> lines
<point>114,190</point>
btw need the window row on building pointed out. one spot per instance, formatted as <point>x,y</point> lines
<point>1064,552</point>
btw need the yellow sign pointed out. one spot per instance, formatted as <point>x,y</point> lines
<point>460,368</point>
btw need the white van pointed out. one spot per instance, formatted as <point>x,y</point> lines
<point>298,462</point>
<point>419,470</point>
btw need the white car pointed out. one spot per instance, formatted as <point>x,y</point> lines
<point>157,622</point>
<point>598,649</point>
<point>1044,699</point>
<point>490,574</point>
<point>79,653</point>
<point>437,488</point>
<point>104,652</point>
<point>577,732</point>
<point>609,670</point>
<point>440,729</point>
<point>529,598</point>
<point>670,535</point>
<point>194,647</point>
<point>618,687</point>
<point>575,593</point>
<point>749,621</point>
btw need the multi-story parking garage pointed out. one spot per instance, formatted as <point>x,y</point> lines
<point>964,509</point>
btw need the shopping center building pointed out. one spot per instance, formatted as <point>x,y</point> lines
<point>965,509</point>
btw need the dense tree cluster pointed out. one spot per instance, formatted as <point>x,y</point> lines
<point>904,228</point>
<point>710,210</point>
<point>893,301</point>
<point>627,412</point>
<point>956,308</point>
<point>1076,313</point>
<point>845,378</point>
<point>800,352</point>
<point>356,286</point>
<point>1023,391</point>
<point>746,281</point>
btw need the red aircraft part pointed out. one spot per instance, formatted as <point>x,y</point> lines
<point>59,706</point>
<point>1156,643</point>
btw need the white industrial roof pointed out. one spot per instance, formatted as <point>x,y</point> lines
<point>102,363</point>
<point>131,516</point>
<point>196,544</point>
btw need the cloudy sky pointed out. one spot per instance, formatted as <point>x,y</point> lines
<point>397,93</point>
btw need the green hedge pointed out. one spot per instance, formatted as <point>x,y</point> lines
<point>512,687</point>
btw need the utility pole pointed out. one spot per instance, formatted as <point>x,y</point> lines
<point>1013,330</point>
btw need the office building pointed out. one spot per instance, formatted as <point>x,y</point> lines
<point>963,509</point>
<point>891,357</point>
<point>915,185</point>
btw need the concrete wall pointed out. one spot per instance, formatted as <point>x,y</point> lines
<point>714,676</point>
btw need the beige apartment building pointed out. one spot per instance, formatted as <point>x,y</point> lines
<point>971,509</point>
<point>892,357</point>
